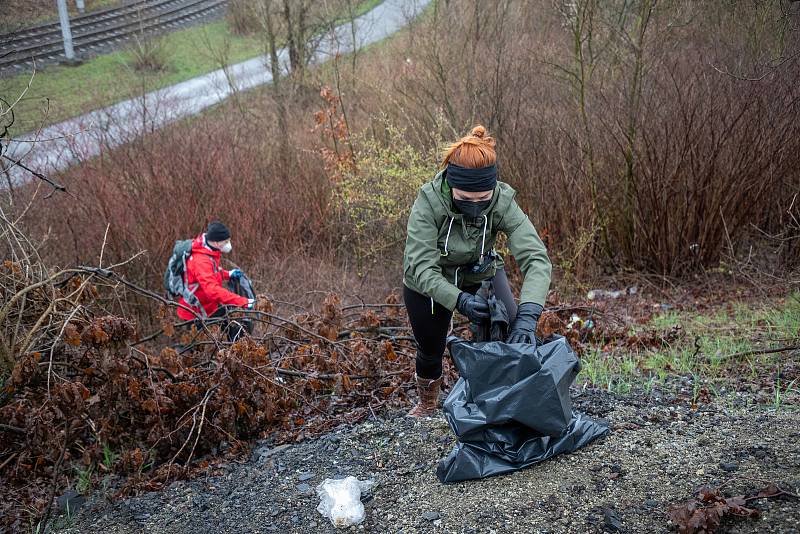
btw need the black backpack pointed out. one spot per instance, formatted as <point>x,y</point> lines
<point>175,275</point>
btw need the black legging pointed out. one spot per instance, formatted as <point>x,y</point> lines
<point>232,328</point>
<point>431,324</point>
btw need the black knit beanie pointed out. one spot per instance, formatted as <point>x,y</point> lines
<point>217,232</point>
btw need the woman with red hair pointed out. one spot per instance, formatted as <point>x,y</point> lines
<point>449,252</point>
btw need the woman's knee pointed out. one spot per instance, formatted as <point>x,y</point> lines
<point>431,348</point>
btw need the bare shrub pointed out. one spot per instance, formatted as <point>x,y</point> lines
<point>372,197</point>
<point>242,17</point>
<point>627,147</point>
<point>149,53</point>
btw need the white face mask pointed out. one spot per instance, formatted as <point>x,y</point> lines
<point>226,248</point>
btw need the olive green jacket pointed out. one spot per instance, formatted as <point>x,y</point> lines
<point>441,245</point>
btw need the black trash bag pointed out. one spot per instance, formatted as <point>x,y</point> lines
<point>243,287</point>
<point>505,383</point>
<point>496,328</point>
<point>511,408</point>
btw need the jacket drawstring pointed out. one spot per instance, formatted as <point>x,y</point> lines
<point>483,241</point>
<point>447,238</point>
<point>446,252</point>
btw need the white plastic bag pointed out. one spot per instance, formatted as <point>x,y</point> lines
<point>340,500</point>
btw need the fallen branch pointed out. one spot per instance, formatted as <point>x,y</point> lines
<point>54,483</point>
<point>292,323</point>
<point>195,409</point>
<point>356,306</point>
<point>327,376</point>
<point>161,331</point>
<point>56,186</point>
<point>160,369</point>
<point>761,351</point>
<point>7,461</point>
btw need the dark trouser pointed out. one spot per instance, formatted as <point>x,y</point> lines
<point>232,328</point>
<point>430,325</point>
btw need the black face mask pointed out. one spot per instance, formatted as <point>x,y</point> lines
<point>470,208</point>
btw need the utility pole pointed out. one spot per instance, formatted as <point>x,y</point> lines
<point>63,16</point>
<point>81,6</point>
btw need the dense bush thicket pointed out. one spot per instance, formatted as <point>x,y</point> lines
<point>656,136</point>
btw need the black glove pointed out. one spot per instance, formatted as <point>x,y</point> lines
<point>474,307</point>
<point>524,328</point>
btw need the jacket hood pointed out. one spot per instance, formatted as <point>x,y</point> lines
<point>199,246</point>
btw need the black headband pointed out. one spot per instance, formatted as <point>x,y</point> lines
<point>472,180</point>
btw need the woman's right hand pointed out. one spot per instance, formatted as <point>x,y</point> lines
<point>475,307</point>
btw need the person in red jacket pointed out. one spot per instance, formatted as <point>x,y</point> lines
<point>206,278</point>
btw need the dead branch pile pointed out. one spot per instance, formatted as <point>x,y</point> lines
<point>166,413</point>
<point>81,392</point>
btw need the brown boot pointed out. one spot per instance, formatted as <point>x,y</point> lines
<point>428,391</point>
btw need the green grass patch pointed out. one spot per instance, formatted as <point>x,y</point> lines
<point>666,320</point>
<point>110,78</point>
<point>60,92</point>
<point>710,352</point>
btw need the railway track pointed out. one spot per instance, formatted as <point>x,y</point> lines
<point>102,30</point>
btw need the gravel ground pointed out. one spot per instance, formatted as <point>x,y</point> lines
<point>659,452</point>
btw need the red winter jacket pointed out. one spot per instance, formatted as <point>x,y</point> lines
<point>203,272</point>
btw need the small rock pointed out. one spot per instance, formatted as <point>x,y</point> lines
<point>611,520</point>
<point>304,488</point>
<point>430,516</point>
<point>200,504</point>
<point>760,454</point>
<point>651,503</point>
<point>305,476</point>
<point>729,466</point>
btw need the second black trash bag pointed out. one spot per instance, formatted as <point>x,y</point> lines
<point>511,408</point>
<point>243,287</point>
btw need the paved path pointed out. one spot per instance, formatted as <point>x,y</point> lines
<point>86,136</point>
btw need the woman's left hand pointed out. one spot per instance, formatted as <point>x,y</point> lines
<point>523,330</point>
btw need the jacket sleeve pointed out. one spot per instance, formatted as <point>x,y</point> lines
<point>530,253</point>
<point>422,256</point>
<point>204,272</point>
